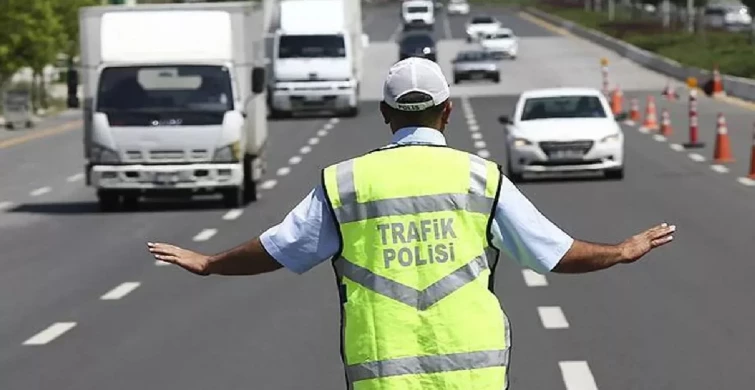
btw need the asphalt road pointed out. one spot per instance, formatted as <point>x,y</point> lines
<point>678,319</point>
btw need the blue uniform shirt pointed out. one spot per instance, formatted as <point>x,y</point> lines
<point>308,235</point>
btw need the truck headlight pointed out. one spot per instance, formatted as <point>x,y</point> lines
<point>103,155</point>
<point>610,139</point>
<point>228,154</point>
<point>519,142</point>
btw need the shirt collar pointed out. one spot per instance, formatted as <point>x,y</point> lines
<point>418,135</point>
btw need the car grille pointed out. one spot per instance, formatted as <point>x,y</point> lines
<point>572,147</point>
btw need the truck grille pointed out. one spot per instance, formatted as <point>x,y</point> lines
<point>572,148</point>
<point>136,156</point>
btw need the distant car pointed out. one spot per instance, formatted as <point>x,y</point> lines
<point>418,13</point>
<point>475,64</point>
<point>417,44</point>
<point>502,43</point>
<point>563,130</point>
<point>458,7</point>
<point>481,25</point>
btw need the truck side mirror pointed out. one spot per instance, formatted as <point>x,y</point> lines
<point>503,119</point>
<point>258,80</point>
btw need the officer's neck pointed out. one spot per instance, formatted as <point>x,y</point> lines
<point>396,127</point>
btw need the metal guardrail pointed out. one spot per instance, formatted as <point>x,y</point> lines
<point>739,87</point>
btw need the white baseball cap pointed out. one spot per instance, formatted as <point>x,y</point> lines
<point>415,74</point>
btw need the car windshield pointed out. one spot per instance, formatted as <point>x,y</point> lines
<point>417,9</point>
<point>311,46</point>
<point>482,20</point>
<point>563,107</point>
<point>473,56</point>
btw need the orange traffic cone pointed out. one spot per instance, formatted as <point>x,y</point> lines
<point>752,158</point>
<point>617,101</point>
<point>669,93</point>
<point>651,118</point>
<point>666,129</point>
<point>634,112</point>
<point>722,150</point>
<point>718,84</point>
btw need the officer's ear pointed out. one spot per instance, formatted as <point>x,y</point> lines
<point>385,111</point>
<point>446,114</point>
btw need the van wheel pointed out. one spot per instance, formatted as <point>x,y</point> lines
<point>108,200</point>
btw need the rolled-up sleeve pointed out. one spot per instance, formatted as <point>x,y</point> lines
<point>306,237</point>
<point>525,234</point>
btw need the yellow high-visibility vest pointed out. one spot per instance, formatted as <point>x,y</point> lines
<point>415,270</point>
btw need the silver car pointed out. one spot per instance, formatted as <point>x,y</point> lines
<point>475,65</point>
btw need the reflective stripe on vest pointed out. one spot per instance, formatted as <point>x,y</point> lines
<point>380,356</point>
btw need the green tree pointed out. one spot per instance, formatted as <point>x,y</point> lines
<point>10,42</point>
<point>68,14</point>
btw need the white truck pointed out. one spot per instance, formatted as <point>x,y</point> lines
<point>317,57</point>
<point>174,100</point>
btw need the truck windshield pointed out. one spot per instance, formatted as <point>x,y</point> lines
<point>165,89</point>
<point>311,46</point>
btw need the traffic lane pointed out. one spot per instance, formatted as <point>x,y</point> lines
<point>739,123</point>
<point>288,137</point>
<point>382,21</point>
<point>43,123</point>
<point>509,17</point>
<point>640,326</point>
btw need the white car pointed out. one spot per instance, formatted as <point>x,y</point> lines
<point>418,12</point>
<point>481,25</point>
<point>563,130</point>
<point>458,7</point>
<point>502,43</point>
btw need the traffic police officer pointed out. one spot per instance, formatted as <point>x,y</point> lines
<point>414,229</point>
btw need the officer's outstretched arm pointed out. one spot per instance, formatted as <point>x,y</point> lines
<point>249,258</point>
<point>585,257</point>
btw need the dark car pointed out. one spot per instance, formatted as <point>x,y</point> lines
<point>417,44</point>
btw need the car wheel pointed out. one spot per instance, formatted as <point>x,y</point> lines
<point>497,78</point>
<point>514,177</point>
<point>615,173</point>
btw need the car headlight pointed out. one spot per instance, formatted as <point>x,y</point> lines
<point>103,155</point>
<point>610,139</point>
<point>519,142</point>
<point>229,153</point>
<point>427,50</point>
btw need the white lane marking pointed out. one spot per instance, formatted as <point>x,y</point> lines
<point>629,122</point>
<point>746,181</point>
<point>268,184</point>
<point>205,234</point>
<point>483,153</point>
<point>474,128</point>
<point>74,178</point>
<point>644,129</point>
<point>336,120</point>
<point>659,138</point>
<point>294,160</point>
<point>476,136</point>
<point>322,133</point>
<point>480,144</point>
<point>676,147</point>
<point>120,291</point>
<point>719,168</point>
<point>314,141</point>
<point>283,171</point>
<point>534,279</point>
<point>552,317</point>
<point>305,149</point>
<point>51,333</point>
<point>696,157</point>
<point>233,214</point>
<point>447,26</point>
<point>5,205</point>
<point>577,375</point>
<point>161,263</point>
<point>40,191</point>
<point>471,122</point>
<point>327,126</point>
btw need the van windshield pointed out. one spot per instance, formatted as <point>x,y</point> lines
<point>311,46</point>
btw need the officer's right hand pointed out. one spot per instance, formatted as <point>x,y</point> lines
<point>637,246</point>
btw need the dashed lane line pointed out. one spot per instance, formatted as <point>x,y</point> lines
<point>305,149</point>
<point>659,137</point>
<point>534,279</point>
<point>314,141</point>
<point>51,333</point>
<point>205,234</point>
<point>480,144</point>
<point>476,135</point>
<point>746,181</point>
<point>294,160</point>
<point>719,168</point>
<point>483,153</point>
<point>552,317</point>
<point>75,177</point>
<point>233,214</point>
<point>676,147</point>
<point>120,291</point>
<point>577,375</point>
<point>40,191</point>
<point>474,128</point>
<point>696,157</point>
<point>268,184</point>
<point>283,171</point>
<point>322,133</point>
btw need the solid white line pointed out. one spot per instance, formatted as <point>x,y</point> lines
<point>40,191</point>
<point>534,279</point>
<point>659,138</point>
<point>5,205</point>
<point>205,234</point>
<point>447,27</point>
<point>283,171</point>
<point>719,168</point>
<point>233,214</point>
<point>480,144</point>
<point>305,149</point>
<point>746,181</point>
<point>120,291</point>
<point>552,317</point>
<point>74,178</point>
<point>322,133</point>
<point>314,141</point>
<point>474,128</point>
<point>50,334</point>
<point>476,136</point>
<point>676,147</point>
<point>696,157</point>
<point>294,160</point>
<point>577,375</point>
<point>483,153</point>
<point>268,184</point>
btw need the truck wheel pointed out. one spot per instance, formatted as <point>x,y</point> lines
<point>233,197</point>
<point>131,202</point>
<point>108,200</point>
<point>250,187</point>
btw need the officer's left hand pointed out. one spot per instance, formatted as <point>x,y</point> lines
<point>639,245</point>
<point>194,262</point>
